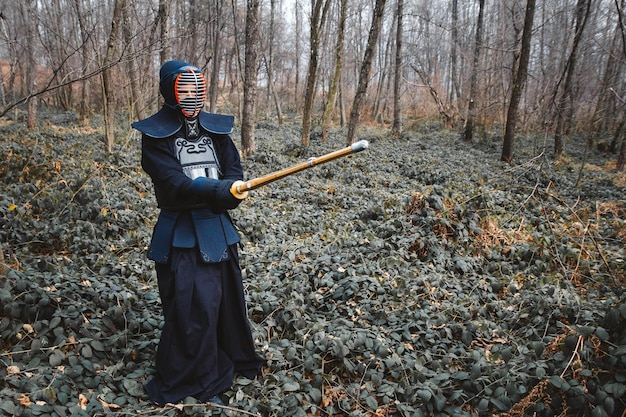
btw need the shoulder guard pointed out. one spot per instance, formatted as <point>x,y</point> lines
<point>166,122</point>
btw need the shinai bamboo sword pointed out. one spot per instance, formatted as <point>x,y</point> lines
<point>240,188</point>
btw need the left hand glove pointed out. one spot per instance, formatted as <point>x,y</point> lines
<point>224,197</point>
<point>215,192</point>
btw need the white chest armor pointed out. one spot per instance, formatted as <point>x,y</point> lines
<point>198,157</point>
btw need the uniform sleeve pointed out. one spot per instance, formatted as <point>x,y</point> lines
<point>160,163</point>
<point>174,189</point>
<point>229,159</point>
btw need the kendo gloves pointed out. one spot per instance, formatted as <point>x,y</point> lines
<point>215,192</point>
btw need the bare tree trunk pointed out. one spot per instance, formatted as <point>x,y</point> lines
<point>3,93</point>
<point>236,74</point>
<point>381,98</point>
<point>137,102</point>
<point>269,62</point>
<point>468,130</point>
<point>297,47</point>
<point>605,110</point>
<point>63,96</point>
<point>397,79</point>
<point>164,14</point>
<point>83,102</point>
<point>364,73</point>
<point>621,158</point>
<point>268,57</point>
<point>277,105</point>
<point>332,94</point>
<point>108,85</point>
<point>519,82</point>
<point>564,110</point>
<point>342,106</point>
<point>215,68</point>
<point>455,90</point>
<point>191,45</point>
<point>250,74</point>
<point>318,19</point>
<point>31,70</point>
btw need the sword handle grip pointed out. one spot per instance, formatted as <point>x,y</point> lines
<point>238,190</point>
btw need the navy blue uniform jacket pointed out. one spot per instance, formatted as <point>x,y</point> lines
<point>188,217</point>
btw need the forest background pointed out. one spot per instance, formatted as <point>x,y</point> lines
<point>487,217</point>
<point>542,66</point>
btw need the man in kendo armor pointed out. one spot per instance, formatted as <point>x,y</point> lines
<point>193,163</point>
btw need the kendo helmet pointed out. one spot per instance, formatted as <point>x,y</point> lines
<point>183,87</point>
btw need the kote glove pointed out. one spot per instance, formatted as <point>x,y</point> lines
<point>215,192</point>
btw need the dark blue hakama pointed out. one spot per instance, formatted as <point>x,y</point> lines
<point>206,337</point>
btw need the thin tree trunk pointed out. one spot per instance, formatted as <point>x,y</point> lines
<point>564,111</point>
<point>268,54</point>
<point>83,103</point>
<point>217,59</point>
<point>379,106</point>
<point>619,132</point>
<point>396,128</point>
<point>63,96</point>
<point>605,109</point>
<point>137,101</point>
<point>108,87</point>
<point>164,13</point>
<point>296,95</point>
<point>192,31</point>
<point>621,158</point>
<point>318,20</point>
<point>269,62</point>
<point>468,130</point>
<point>519,82</point>
<point>250,74</point>
<point>342,106</point>
<point>237,76</point>
<point>364,73</point>
<point>454,77</point>
<point>332,95</point>
<point>31,71</point>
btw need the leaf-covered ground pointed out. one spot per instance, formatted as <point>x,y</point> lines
<point>421,277</point>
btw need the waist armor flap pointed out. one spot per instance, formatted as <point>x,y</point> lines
<point>184,233</point>
<point>159,250</point>
<point>212,232</point>
<point>215,232</point>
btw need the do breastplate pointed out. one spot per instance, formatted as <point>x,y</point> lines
<point>198,157</point>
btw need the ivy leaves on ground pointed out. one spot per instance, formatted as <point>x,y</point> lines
<point>421,277</point>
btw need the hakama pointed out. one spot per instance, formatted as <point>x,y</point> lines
<point>206,337</point>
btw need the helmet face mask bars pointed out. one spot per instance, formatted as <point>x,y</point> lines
<point>190,92</point>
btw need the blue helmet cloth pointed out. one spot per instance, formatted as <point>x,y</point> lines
<point>167,77</point>
<point>168,120</point>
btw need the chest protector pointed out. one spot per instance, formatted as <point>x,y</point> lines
<point>198,157</point>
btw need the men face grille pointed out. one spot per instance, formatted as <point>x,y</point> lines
<point>190,90</point>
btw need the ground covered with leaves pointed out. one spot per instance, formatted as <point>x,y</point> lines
<point>421,277</point>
